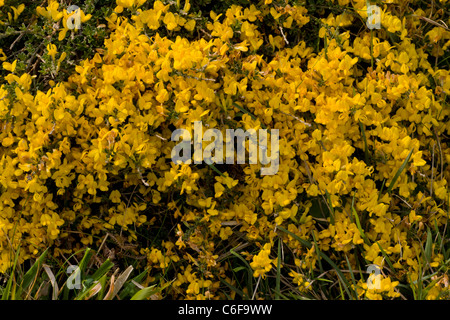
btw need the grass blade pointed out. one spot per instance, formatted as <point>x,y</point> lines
<point>31,274</point>
<point>118,284</point>
<point>249,271</point>
<point>52,278</point>
<point>102,282</point>
<point>249,113</point>
<point>428,246</point>
<point>104,268</point>
<point>215,169</point>
<point>386,257</point>
<point>381,189</point>
<point>353,278</point>
<point>277,283</point>
<point>130,288</point>
<point>86,258</point>
<point>145,293</point>
<point>330,204</point>
<point>399,172</point>
<point>316,246</point>
<point>323,255</point>
<point>111,289</point>
<point>7,290</point>
<point>96,287</point>
<point>366,150</point>
<point>238,291</point>
<point>358,224</point>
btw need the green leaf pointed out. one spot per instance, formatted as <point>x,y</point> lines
<point>98,276</point>
<point>31,274</point>
<point>86,258</point>
<point>237,269</point>
<point>147,292</point>
<point>102,282</point>
<point>130,287</point>
<point>86,292</point>
<point>104,268</point>
<point>118,284</point>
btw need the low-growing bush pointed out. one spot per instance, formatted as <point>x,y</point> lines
<point>86,118</point>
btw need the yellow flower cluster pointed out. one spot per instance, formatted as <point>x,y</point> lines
<point>53,13</point>
<point>262,262</point>
<point>12,13</point>
<point>364,147</point>
<point>378,287</point>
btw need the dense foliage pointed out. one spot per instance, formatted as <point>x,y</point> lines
<point>86,118</point>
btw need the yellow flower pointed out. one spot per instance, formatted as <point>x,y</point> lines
<point>125,3</point>
<point>170,20</point>
<point>17,11</point>
<point>10,66</point>
<point>115,196</point>
<point>52,51</point>
<point>61,58</point>
<point>2,55</point>
<point>261,262</point>
<point>417,159</point>
<point>51,12</point>
<point>190,25</point>
<point>62,34</point>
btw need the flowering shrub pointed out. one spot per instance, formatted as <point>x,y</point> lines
<point>364,146</point>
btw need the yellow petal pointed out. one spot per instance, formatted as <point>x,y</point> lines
<point>10,66</point>
<point>62,34</point>
<point>8,141</point>
<point>190,25</point>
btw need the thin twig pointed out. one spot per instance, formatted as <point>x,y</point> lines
<point>228,253</point>
<point>17,39</point>
<point>432,22</point>
<point>12,33</point>
<point>296,118</point>
<point>161,137</point>
<point>284,37</point>
<point>257,284</point>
